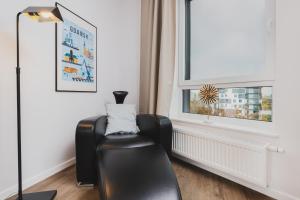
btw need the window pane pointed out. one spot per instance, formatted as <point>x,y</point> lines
<point>227,38</point>
<point>253,103</point>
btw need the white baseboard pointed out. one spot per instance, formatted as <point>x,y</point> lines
<point>264,190</point>
<point>6,193</point>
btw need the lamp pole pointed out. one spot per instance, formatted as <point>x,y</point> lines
<point>51,14</point>
<point>18,71</point>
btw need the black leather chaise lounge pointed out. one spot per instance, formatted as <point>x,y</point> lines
<point>124,166</point>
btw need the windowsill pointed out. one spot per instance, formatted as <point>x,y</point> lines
<point>236,128</point>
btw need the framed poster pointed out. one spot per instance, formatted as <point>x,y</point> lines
<point>76,53</point>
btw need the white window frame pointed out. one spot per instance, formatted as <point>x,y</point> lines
<point>266,78</point>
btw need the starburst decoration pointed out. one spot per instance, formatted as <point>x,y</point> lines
<point>209,94</point>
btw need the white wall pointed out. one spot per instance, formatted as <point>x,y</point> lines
<point>285,168</point>
<point>49,118</point>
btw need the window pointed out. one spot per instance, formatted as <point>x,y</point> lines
<point>256,104</point>
<point>228,39</point>
<point>229,44</point>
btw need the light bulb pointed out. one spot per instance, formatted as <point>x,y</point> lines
<point>45,14</point>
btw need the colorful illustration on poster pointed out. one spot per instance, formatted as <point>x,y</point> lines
<point>78,63</point>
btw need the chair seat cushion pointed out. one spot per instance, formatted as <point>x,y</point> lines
<point>119,140</point>
<point>141,173</point>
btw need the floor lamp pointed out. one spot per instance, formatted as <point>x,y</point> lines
<point>40,14</point>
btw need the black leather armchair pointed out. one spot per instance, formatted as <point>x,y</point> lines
<point>90,133</point>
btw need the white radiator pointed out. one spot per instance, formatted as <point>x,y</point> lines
<point>242,160</point>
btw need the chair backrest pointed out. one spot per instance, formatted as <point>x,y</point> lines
<point>147,124</point>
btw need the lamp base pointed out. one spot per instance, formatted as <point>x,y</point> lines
<point>48,195</point>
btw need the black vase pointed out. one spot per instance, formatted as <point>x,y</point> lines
<point>120,96</point>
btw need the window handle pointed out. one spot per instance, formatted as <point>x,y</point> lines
<point>270,25</point>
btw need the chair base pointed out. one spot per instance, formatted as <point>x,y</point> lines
<point>80,184</point>
<point>48,195</point>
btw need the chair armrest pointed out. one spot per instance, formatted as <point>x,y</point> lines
<point>89,133</point>
<point>159,128</point>
<point>166,132</point>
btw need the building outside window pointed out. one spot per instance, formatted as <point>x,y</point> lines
<point>252,104</point>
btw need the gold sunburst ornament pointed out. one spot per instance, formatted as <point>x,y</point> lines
<point>209,95</point>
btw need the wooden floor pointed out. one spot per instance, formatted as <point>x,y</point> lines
<point>195,184</point>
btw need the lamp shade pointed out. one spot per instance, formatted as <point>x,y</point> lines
<point>43,14</point>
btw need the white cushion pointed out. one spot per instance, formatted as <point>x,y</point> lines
<point>121,118</point>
